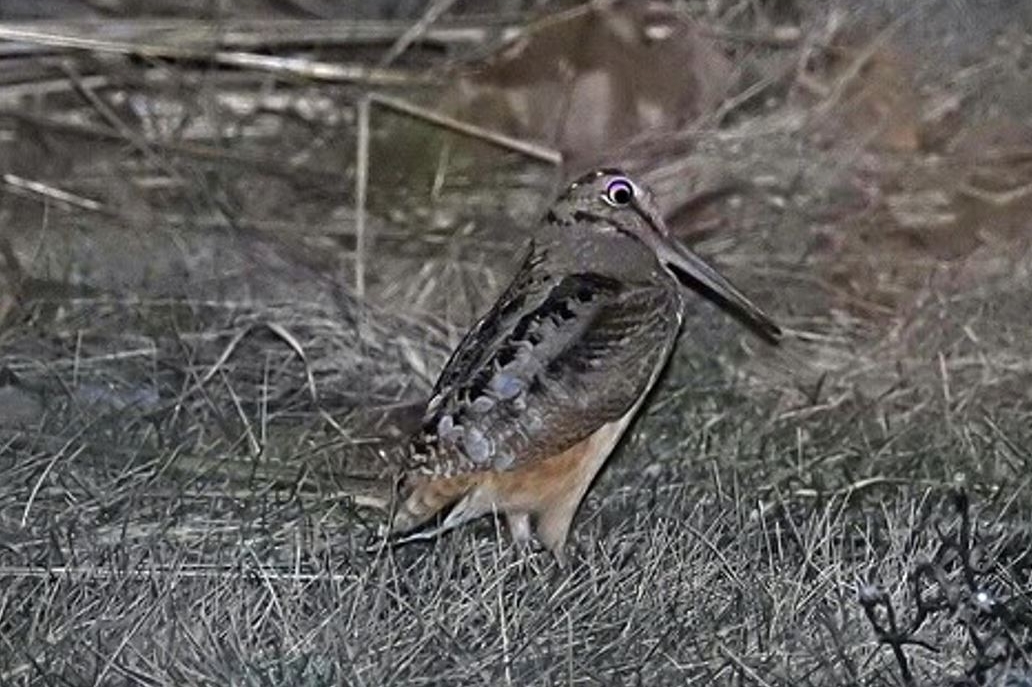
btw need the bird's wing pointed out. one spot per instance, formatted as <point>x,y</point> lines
<point>479,342</point>
<point>555,359</point>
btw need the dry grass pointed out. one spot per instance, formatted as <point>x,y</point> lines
<point>198,385</point>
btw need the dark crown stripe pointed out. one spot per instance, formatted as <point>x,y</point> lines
<point>589,218</point>
<point>591,176</point>
<point>552,218</point>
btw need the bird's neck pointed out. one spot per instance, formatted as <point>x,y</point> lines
<point>611,254</point>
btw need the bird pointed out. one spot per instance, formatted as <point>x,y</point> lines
<point>539,391</point>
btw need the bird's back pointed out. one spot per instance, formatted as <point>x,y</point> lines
<point>573,343</point>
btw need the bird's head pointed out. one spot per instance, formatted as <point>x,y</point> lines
<point>609,201</point>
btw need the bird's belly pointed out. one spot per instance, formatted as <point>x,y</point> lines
<point>533,487</point>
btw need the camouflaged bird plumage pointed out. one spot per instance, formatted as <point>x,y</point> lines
<point>540,389</point>
<point>557,355</point>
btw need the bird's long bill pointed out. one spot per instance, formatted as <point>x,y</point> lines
<point>694,273</point>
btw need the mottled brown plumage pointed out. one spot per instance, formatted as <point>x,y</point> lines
<point>540,390</point>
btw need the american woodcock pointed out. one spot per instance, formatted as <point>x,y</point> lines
<point>539,391</point>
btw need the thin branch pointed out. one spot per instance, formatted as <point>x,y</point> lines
<point>361,189</point>
<point>530,149</point>
<point>282,66</point>
<point>432,14</point>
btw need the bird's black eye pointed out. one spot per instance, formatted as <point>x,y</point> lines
<point>619,192</point>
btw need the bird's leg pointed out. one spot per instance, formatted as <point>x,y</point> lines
<point>519,528</point>
<point>553,523</point>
